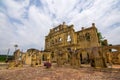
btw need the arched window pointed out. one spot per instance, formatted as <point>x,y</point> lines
<point>60,39</point>
<point>81,38</point>
<point>55,40</point>
<point>114,50</point>
<point>87,36</point>
<point>52,42</point>
<point>68,38</point>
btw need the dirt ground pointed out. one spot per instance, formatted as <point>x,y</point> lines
<point>59,73</point>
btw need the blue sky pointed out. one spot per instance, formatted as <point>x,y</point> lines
<point>27,22</point>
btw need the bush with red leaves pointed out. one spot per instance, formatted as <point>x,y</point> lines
<point>47,64</point>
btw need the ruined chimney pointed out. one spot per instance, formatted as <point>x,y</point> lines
<point>51,30</point>
<point>93,24</point>
<point>82,28</point>
<point>105,42</point>
<point>63,23</point>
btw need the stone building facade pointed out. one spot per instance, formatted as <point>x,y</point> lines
<point>64,37</point>
<point>65,45</point>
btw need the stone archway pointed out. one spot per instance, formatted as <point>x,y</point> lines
<point>95,57</point>
<point>84,56</point>
<point>106,48</point>
<point>112,57</point>
<point>81,57</point>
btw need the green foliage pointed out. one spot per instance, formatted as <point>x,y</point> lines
<point>103,43</point>
<point>99,36</point>
<point>2,58</point>
<point>101,39</point>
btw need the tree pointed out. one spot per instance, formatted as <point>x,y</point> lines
<point>101,39</point>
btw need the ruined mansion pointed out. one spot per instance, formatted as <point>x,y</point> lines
<point>64,37</point>
<point>63,45</point>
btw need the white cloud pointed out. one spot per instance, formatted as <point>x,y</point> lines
<point>113,36</point>
<point>27,25</point>
<point>16,9</point>
<point>6,33</point>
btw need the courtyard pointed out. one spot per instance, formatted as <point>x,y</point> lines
<point>60,73</point>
